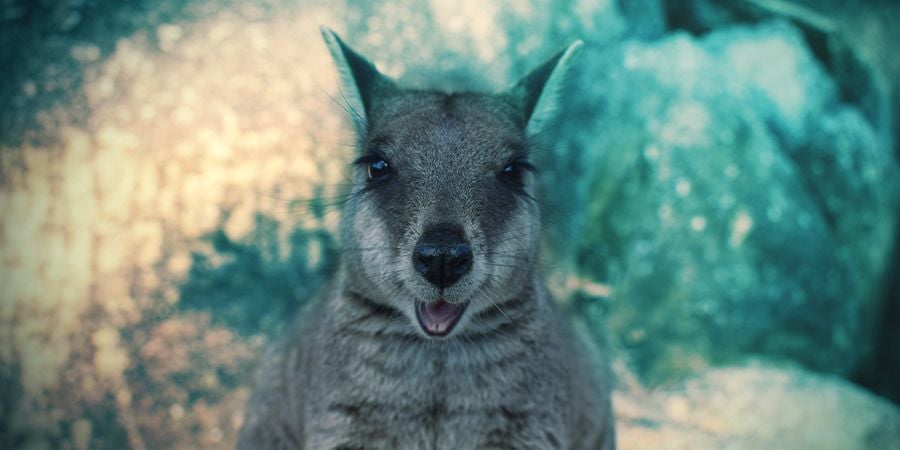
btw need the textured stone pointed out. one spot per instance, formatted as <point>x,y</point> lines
<point>736,205</point>
<point>757,406</point>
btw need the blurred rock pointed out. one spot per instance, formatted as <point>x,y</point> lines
<point>850,39</point>
<point>735,204</point>
<point>753,407</point>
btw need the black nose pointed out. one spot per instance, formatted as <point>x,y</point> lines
<point>442,256</point>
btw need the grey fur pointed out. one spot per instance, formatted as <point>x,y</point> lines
<point>357,371</point>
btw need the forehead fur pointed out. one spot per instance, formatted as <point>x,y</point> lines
<point>431,119</point>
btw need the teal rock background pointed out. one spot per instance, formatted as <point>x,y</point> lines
<point>741,206</point>
<point>721,198</point>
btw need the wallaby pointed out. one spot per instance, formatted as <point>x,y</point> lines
<point>436,331</point>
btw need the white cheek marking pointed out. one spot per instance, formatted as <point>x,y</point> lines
<point>518,241</point>
<point>375,252</point>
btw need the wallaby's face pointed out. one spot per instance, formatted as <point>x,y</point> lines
<point>442,224</point>
<point>443,210</point>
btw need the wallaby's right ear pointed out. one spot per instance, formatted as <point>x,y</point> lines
<point>360,80</point>
<point>538,93</point>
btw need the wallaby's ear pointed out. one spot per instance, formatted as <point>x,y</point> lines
<point>538,93</point>
<point>360,80</point>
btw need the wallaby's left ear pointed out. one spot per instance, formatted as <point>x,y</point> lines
<point>361,82</point>
<point>538,93</point>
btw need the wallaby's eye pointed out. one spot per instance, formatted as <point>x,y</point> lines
<point>513,173</point>
<point>378,169</point>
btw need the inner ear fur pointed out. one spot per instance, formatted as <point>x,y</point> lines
<point>361,83</point>
<point>538,94</point>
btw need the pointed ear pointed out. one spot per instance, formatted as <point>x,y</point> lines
<point>538,93</point>
<point>361,82</point>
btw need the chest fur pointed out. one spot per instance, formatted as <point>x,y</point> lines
<point>404,392</point>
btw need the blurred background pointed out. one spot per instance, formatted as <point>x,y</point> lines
<point>721,202</point>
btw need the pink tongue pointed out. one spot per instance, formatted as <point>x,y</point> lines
<point>439,316</point>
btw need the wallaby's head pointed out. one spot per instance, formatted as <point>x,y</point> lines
<point>441,223</point>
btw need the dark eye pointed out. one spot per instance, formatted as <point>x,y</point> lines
<point>378,169</point>
<point>513,173</point>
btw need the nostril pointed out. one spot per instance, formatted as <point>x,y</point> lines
<point>463,267</point>
<point>462,260</point>
<point>422,262</point>
<point>457,263</point>
<point>423,258</point>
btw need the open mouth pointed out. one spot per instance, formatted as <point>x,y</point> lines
<point>438,318</point>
